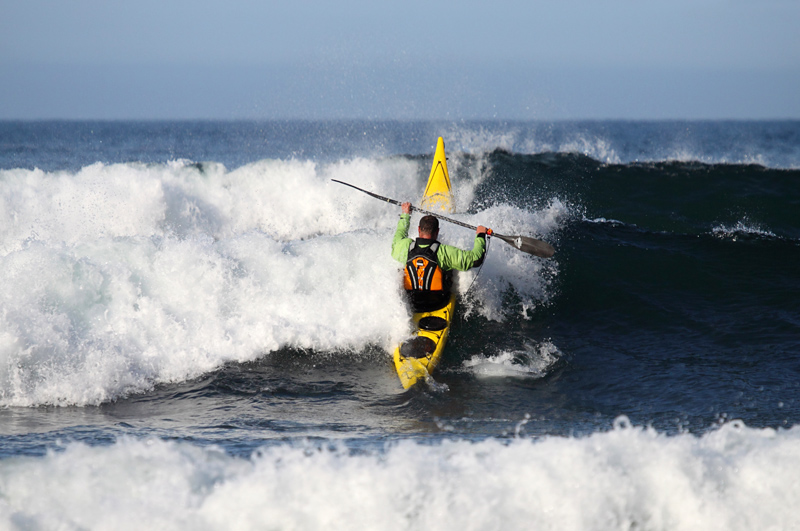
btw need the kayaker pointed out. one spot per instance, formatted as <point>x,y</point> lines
<point>429,263</point>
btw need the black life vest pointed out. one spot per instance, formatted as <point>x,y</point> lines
<point>423,271</point>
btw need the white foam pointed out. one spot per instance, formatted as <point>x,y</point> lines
<point>734,478</point>
<point>532,361</point>
<point>116,278</point>
<point>743,227</point>
<point>506,267</point>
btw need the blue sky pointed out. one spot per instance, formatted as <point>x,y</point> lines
<point>523,60</point>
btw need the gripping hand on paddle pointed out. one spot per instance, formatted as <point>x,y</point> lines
<point>406,207</point>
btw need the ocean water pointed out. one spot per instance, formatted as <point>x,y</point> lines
<point>196,326</point>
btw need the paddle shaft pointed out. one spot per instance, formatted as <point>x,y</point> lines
<point>523,243</point>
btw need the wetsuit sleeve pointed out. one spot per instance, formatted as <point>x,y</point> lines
<point>401,241</point>
<point>454,258</point>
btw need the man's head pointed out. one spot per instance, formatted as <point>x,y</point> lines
<point>428,227</point>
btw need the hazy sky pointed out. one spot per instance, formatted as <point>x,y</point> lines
<point>549,59</point>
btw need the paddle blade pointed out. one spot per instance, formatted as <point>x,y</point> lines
<point>529,245</point>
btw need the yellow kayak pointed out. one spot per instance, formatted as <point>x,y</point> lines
<point>417,357</point>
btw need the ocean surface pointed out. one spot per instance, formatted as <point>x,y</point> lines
<point>196,326</point>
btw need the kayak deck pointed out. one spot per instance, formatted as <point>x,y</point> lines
<point>438,195</point>
<point>416,358</point>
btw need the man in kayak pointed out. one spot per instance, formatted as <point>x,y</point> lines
<point>429,264</point>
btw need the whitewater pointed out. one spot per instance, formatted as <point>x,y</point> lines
<point>124,276</point>
<point>626,478</point>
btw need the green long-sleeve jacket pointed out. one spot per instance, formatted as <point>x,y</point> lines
<point>449,257</point>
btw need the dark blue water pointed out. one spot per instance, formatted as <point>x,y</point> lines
<point>203,285</point>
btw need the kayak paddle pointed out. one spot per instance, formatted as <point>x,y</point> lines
<point>523,243</point>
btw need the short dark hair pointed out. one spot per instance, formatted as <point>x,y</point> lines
<point>429,225</point>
